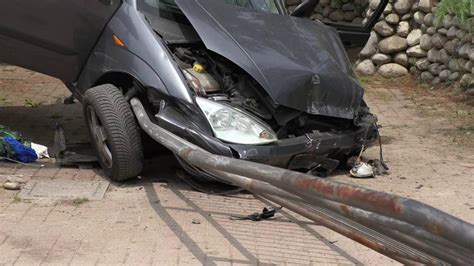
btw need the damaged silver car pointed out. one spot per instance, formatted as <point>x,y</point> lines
<point>240,78</point>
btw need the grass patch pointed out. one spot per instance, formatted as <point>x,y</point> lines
<point>75,202</point>
<point>30,103</point>
<point>463,113</point>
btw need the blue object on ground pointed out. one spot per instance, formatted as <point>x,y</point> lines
<point>22,153</point>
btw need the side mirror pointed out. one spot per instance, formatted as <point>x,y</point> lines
<point>305,8</point>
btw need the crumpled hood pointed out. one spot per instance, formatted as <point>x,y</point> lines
<point>299,63</point>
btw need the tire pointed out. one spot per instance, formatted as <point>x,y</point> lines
<point>114,132</point>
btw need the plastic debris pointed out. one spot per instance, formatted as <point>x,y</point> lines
<point>41,150</point>
<point>362,170</point>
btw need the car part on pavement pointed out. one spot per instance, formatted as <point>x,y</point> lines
<point>362,170</point>
<point>401,228</point>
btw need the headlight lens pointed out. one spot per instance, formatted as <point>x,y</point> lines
<point>235,126</point>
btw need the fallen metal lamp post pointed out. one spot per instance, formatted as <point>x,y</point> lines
<point>401,228</point>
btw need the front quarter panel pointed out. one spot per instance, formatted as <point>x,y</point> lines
<point>144,56</point>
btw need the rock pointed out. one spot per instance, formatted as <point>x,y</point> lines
<point>412,60</point>
<point>336,16</point>
<point>371,47</point>
<point>401,59</point>
<point>443,31</point>
<point>388,9</point>
<point>196,221</point>
<point>460,34</point>
<point>357,21</point>
<point>444,75</point>
<point>423,28</point>
<point>348,7</point>
<point>448,21</point>
<point>414,71</point>
<point>414,37</point>
<point>471,54</point>
<point>383,28</point>
<point>443,56</point>
<point>451,34</point>
<point>392,19</point>
<point>406,17</point>
<point>392,70</point>
<point>419,17</point>
<point>325,2</point>
<point>316,16</point>
<point>454,76</point>
<point>373,4</point>
<point>425,42</point>
<point>349,16</point>
<point>423,64</point>
<point>452,46</point>
<point>403,29</point>
<point>402,6</point>
<point>435,69</point>
<point>327,10</point>
<point>426,76</point>
<point>468,66</point>
<point>425,5</point>
<point>366,68</point>
<point>11,185</point>
<point>467,81</point>
<point>455,65</point>
<point>433,55</point>
<point>428,19</point>
<point>392,44</point>
<point>380,59</point>
<point>431,30</point>
<point>438,40</point>
<point>436,81</point>
<point>416,51</point>
<point>464,50</point>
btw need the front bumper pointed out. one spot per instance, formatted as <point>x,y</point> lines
<point>298,153</point>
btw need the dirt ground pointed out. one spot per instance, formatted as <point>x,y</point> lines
<point>428,138</point>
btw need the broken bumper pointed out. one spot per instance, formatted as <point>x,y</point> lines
<point>298,153</point>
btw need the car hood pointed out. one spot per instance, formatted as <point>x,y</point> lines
<point>300,64</point>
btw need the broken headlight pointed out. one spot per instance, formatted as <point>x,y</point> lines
<point>235,126</point>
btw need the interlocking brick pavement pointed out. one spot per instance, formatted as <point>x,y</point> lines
<point>149,221</point>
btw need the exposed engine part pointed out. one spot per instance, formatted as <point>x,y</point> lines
<point>211,75</point>
<point>201,81</point>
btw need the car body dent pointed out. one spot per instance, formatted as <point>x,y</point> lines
<point>304,67</point>
<point>144,56</point>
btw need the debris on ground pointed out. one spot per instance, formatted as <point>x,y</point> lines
<point>362,170</point>
<point>64,156</point>
<point>8,185</point>
<point>14,147</point>
<point>267,213</point>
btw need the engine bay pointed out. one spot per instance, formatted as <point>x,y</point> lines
<point>214,77</point>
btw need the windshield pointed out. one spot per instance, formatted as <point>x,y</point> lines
<point>263,5</point>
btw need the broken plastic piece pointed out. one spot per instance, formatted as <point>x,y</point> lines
<point>362,170</point>
<point>267,213</point>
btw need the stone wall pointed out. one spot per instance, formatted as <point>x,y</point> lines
<point>407,39</point>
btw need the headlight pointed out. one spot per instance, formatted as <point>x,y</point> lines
<point>235,126</point>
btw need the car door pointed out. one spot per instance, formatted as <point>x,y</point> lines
<point>54,37</point>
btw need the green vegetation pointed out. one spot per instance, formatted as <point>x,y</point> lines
<point>462,9</point>
<point>75,202</point>
<point>29,103</point>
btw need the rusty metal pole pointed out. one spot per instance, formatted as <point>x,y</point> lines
<point>306,187</point>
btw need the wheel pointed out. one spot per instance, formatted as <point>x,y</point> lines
<point>113,131</point>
